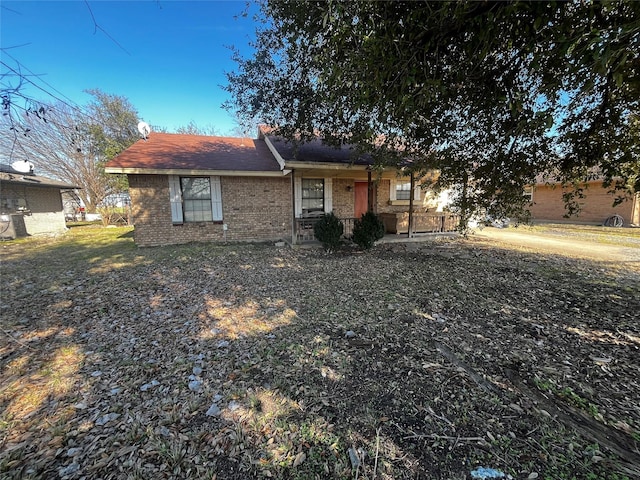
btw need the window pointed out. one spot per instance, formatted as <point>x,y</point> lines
<point>528,193</point>
<point>13,201</point>
<point>312,195</point>
<point>403,191</point>
<point>195,199</point>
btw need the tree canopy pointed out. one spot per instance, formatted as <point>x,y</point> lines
<point>72,143</point>
<point>491,94</point>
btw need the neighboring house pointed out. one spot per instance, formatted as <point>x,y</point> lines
<point>188,188</point>
<point>73,206</point>
<point>596,206</point>
<point>116,200</point>
<point>30,204</point>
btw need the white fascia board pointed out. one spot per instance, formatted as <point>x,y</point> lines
<point>275,153</point>
<point>182,172</point>
<point>325,166</point>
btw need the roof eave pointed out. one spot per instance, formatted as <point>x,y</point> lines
<point>193,172</point>
<point>40,184</point>
<point>325,166</point>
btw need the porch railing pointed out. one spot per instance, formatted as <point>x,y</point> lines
<point>432,223</point>
<point>435,223</point>
<point>304,228</point>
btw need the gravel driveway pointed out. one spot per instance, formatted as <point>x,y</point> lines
<point>570,244</point>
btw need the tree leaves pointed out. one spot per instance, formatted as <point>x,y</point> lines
<point>490,94</point>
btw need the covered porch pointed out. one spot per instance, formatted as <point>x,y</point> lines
<point>340,180</point>
<point>406,208</point>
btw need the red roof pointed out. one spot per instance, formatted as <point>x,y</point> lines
<point>172,151</point>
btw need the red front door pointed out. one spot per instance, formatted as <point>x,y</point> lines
<point>360,198</point>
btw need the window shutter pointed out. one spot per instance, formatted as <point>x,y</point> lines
<point>175,197</point>
<point>328,195</point>
<point>216,199</point>
<point>416,192</point>
<point>392,192</point>
<point>297,187</point>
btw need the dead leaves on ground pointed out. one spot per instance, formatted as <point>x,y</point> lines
<point>110,367</point>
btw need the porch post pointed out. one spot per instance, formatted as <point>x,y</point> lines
<point>293,207</point>
<point>410,229</point>
<point>369,191</point>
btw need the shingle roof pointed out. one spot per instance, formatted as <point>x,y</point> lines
<point>171,151</point>
<point>317,152</point>
<point>33,180</point>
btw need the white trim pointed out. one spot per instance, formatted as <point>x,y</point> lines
<point>216,198</point>
<point>528,192</point>
<point>328,195</point>
<point>175,198</point>
<point>275,153</point>
<point>325,166</point>
<point>393,191</point>
<point>297,192</point>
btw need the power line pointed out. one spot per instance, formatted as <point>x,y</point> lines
<point>22,66</point>
<point>27,79</point>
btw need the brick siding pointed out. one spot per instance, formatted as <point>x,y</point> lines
<point>343,197</point>
<point>254,209</point>
<point>596,206</point>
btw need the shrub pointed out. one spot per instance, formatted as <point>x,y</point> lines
<point>112,215</point>
<point>367,229</point>
<point>328,230</point>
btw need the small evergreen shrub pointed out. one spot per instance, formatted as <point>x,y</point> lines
<point>328,231</point>
<point>367,229</point>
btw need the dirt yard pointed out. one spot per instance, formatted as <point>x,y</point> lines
<point>448,359</point>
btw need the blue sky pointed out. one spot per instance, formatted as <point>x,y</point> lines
<point>167,57</point>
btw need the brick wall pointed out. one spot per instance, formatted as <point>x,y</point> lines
<point>383,196</point>
<point>257,208</point>
<point>596,206</point>
<point>254,209</point>
<point>343,197</point>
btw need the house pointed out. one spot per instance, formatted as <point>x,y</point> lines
<point>596,206</point>
<point>188,188</point>
<point>30,204</point>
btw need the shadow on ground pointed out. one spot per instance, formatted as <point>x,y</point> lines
<point>243,361</point>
